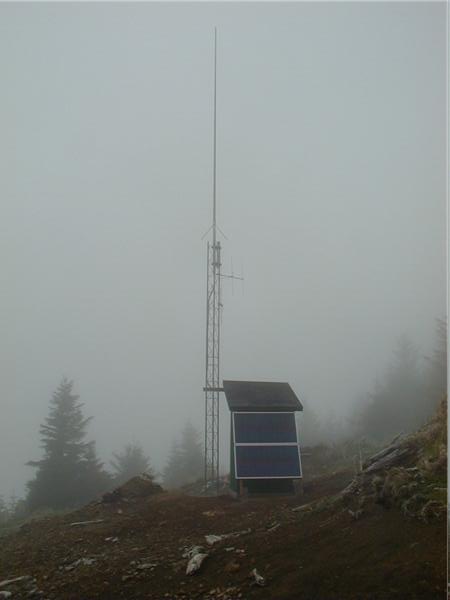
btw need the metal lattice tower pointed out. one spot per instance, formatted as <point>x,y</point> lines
<point>213,310</point>
<point>212,376</point>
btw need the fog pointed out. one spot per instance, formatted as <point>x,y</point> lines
<point>331,183</point>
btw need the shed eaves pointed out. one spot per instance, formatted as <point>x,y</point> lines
<point>260,396</point>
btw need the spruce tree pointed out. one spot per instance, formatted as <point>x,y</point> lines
<point>130,462</point>
<point>93,477</point>
<point>173,471</point>
<point>185,462</point>
<point>436,370</point>
<point>398,402</point>
<point>192,455</point>
<point>68,473</point>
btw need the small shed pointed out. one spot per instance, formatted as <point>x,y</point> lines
<point>264,448</point>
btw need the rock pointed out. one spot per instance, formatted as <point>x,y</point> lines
<point>212,539</point>
<point>195,563</point>
<point>258,579</point>
<point>232,567</point>
<point>213,513</point>
<point>22,587</point>
<point>355,514</point>
<point>87,562</point>
<point>192,551</point>
<point>144,566</point>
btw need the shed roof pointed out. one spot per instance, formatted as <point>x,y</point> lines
<point>260,396</point>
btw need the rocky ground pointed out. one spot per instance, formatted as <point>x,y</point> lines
<point>378,536</point>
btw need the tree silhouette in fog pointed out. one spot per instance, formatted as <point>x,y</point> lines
<point>130,462</point>
<point>395,403</point>
<point>173,471</point>
<point>185,462</point>
<point>409,393</point>
<point>436,368</point>
<point>69,474</point>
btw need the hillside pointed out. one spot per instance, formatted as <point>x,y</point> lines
<point>378,536</point>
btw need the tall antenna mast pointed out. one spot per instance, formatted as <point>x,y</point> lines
<point>213,319</point>
<point>213,310</point>
<point>214,226</point>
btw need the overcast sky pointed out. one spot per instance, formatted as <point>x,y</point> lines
<point>331,192</point>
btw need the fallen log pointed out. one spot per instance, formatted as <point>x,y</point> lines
<point>381,453</point>
<point>387,460</point>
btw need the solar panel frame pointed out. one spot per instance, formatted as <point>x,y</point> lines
<point>259,444</point>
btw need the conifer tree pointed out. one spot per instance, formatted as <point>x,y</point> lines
<point>130,462</point>
<point>398,402</point>
<point>185,462</point>
<point>436,370</point>
<point>69,473</point>
<point>192,455</point>
<point>173,471</point>
<point>93,477</point>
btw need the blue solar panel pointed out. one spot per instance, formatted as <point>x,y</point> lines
<point>255,428</point>
<point>267,462</point>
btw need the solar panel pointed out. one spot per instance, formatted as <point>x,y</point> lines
<point>274,427</point>
<point>266,446</point>
<point>267,462</point>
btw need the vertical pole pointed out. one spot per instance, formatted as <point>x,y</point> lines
<point>212,375</point>
<point>215,433</point>
<point>214,136</point>
<point>206,368</point>
<point>219,306</point>
<point>216,285</point>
